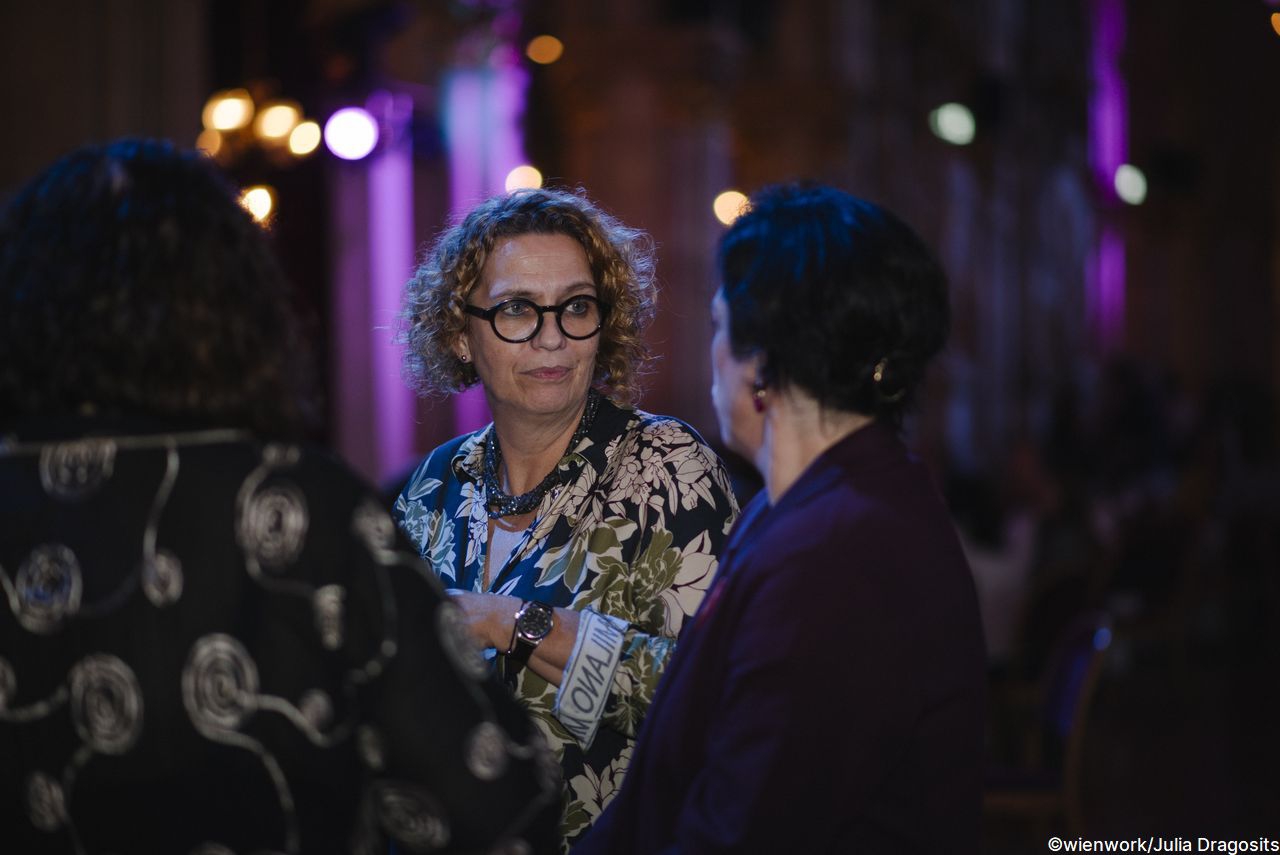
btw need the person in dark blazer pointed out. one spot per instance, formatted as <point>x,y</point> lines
<point>828,696</point>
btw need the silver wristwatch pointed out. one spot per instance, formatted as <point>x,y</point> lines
<point>534,622</point>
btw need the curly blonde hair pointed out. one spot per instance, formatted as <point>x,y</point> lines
<point>622,266</point>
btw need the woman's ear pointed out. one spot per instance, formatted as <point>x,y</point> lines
<point>462,348</point>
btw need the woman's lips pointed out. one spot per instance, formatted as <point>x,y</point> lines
<point>553,373</point>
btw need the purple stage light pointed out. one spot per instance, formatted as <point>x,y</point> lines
<point>351,133</point>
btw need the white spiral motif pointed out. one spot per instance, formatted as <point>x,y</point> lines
<point>412,816</point>
<point>370,746</point>
<point>219,685</point>
<point>46,804</point>
<point>328,606</point>
<point>73,470</point>
<point>106,703</point>
<point>487,751</point>
<point>162,578</point>
<point>316,707</point>
<point>374,526</point>
<point>48,586</point>
<point>273,524</point>
<point>8,683</point>
<point>456,640</point>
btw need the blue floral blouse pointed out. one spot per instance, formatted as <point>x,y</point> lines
<point>630,538</point>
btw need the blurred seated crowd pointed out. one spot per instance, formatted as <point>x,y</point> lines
<point>1159,510</point>
<point>1140,498</point>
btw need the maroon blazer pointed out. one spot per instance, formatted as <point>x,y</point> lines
<point>828,696</point>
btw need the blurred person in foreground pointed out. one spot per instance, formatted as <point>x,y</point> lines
<point>828,696</point>
<point>576,532</point>
<point>212,639</point>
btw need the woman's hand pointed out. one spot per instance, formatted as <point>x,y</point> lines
<point>491,618</point>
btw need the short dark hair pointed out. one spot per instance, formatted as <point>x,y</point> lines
<point>826,287</point>
<point>132,283</point>
<point>621,260</point>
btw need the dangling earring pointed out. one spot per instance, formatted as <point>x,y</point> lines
<point>757,395</point>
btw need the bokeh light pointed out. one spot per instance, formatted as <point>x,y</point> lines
<point>729,205</point>
<point>259,200</point>
<point>523,177</point>
<point>305,138</point>
<point>351,133</point>
<point>209,142</point>
<point>1131,184</point>
<point>1275,22</point>
<point>228,110</point>
<point>275,121</point>
<point>544,50</point>
<point>953,123</point>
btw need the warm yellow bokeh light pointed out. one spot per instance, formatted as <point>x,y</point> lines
<point>209,142</point>
<point>277,120</point>
<point>305,138</point>
<point>544,50</point>
<point>523,177</point>
<point>228,110</point>
<point>259,201</point>
<point>1275,22</point>
<point>729,205</point>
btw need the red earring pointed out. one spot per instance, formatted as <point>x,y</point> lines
<point>757,396</point>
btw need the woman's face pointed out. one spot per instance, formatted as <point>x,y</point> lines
<point>548,375</point>
<point>741,427</point>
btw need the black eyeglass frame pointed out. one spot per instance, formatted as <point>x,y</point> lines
<point>491,315</point>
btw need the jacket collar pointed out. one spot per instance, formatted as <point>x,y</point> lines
<point>875,446</point>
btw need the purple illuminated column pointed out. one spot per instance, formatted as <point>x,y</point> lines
<point>390,263</point>
<point>1108,149</point>
<point>373,252</point>
<point>482,109</point>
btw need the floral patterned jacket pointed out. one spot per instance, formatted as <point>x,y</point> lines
<point>630,538</point>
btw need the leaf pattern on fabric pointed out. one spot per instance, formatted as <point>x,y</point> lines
<point>590,792</point>
<point>633,532</point>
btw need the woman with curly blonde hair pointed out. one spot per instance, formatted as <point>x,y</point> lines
<point>576,532</point>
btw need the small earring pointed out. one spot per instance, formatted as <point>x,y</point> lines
<point>463,357</point>
<point>877,376</point>
<point>757,396</point>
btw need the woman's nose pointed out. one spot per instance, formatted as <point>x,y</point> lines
<point>550,337</point>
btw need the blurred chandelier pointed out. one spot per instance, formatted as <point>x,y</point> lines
<point>234,125</point>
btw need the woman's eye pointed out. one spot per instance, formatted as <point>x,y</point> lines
<point>517,309</point>
<point>579,306</point>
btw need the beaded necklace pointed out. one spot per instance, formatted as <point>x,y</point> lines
<point>502,505</point>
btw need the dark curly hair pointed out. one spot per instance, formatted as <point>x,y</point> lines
<point>132,283</point>
<point>621,261</point>
<point>840,298</point>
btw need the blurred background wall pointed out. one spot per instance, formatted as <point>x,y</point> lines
<point>1102,190</point>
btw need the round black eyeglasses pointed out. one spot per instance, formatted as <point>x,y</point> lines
<point>519,319</point>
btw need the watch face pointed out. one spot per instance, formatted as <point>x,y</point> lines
<point>535,622</point>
